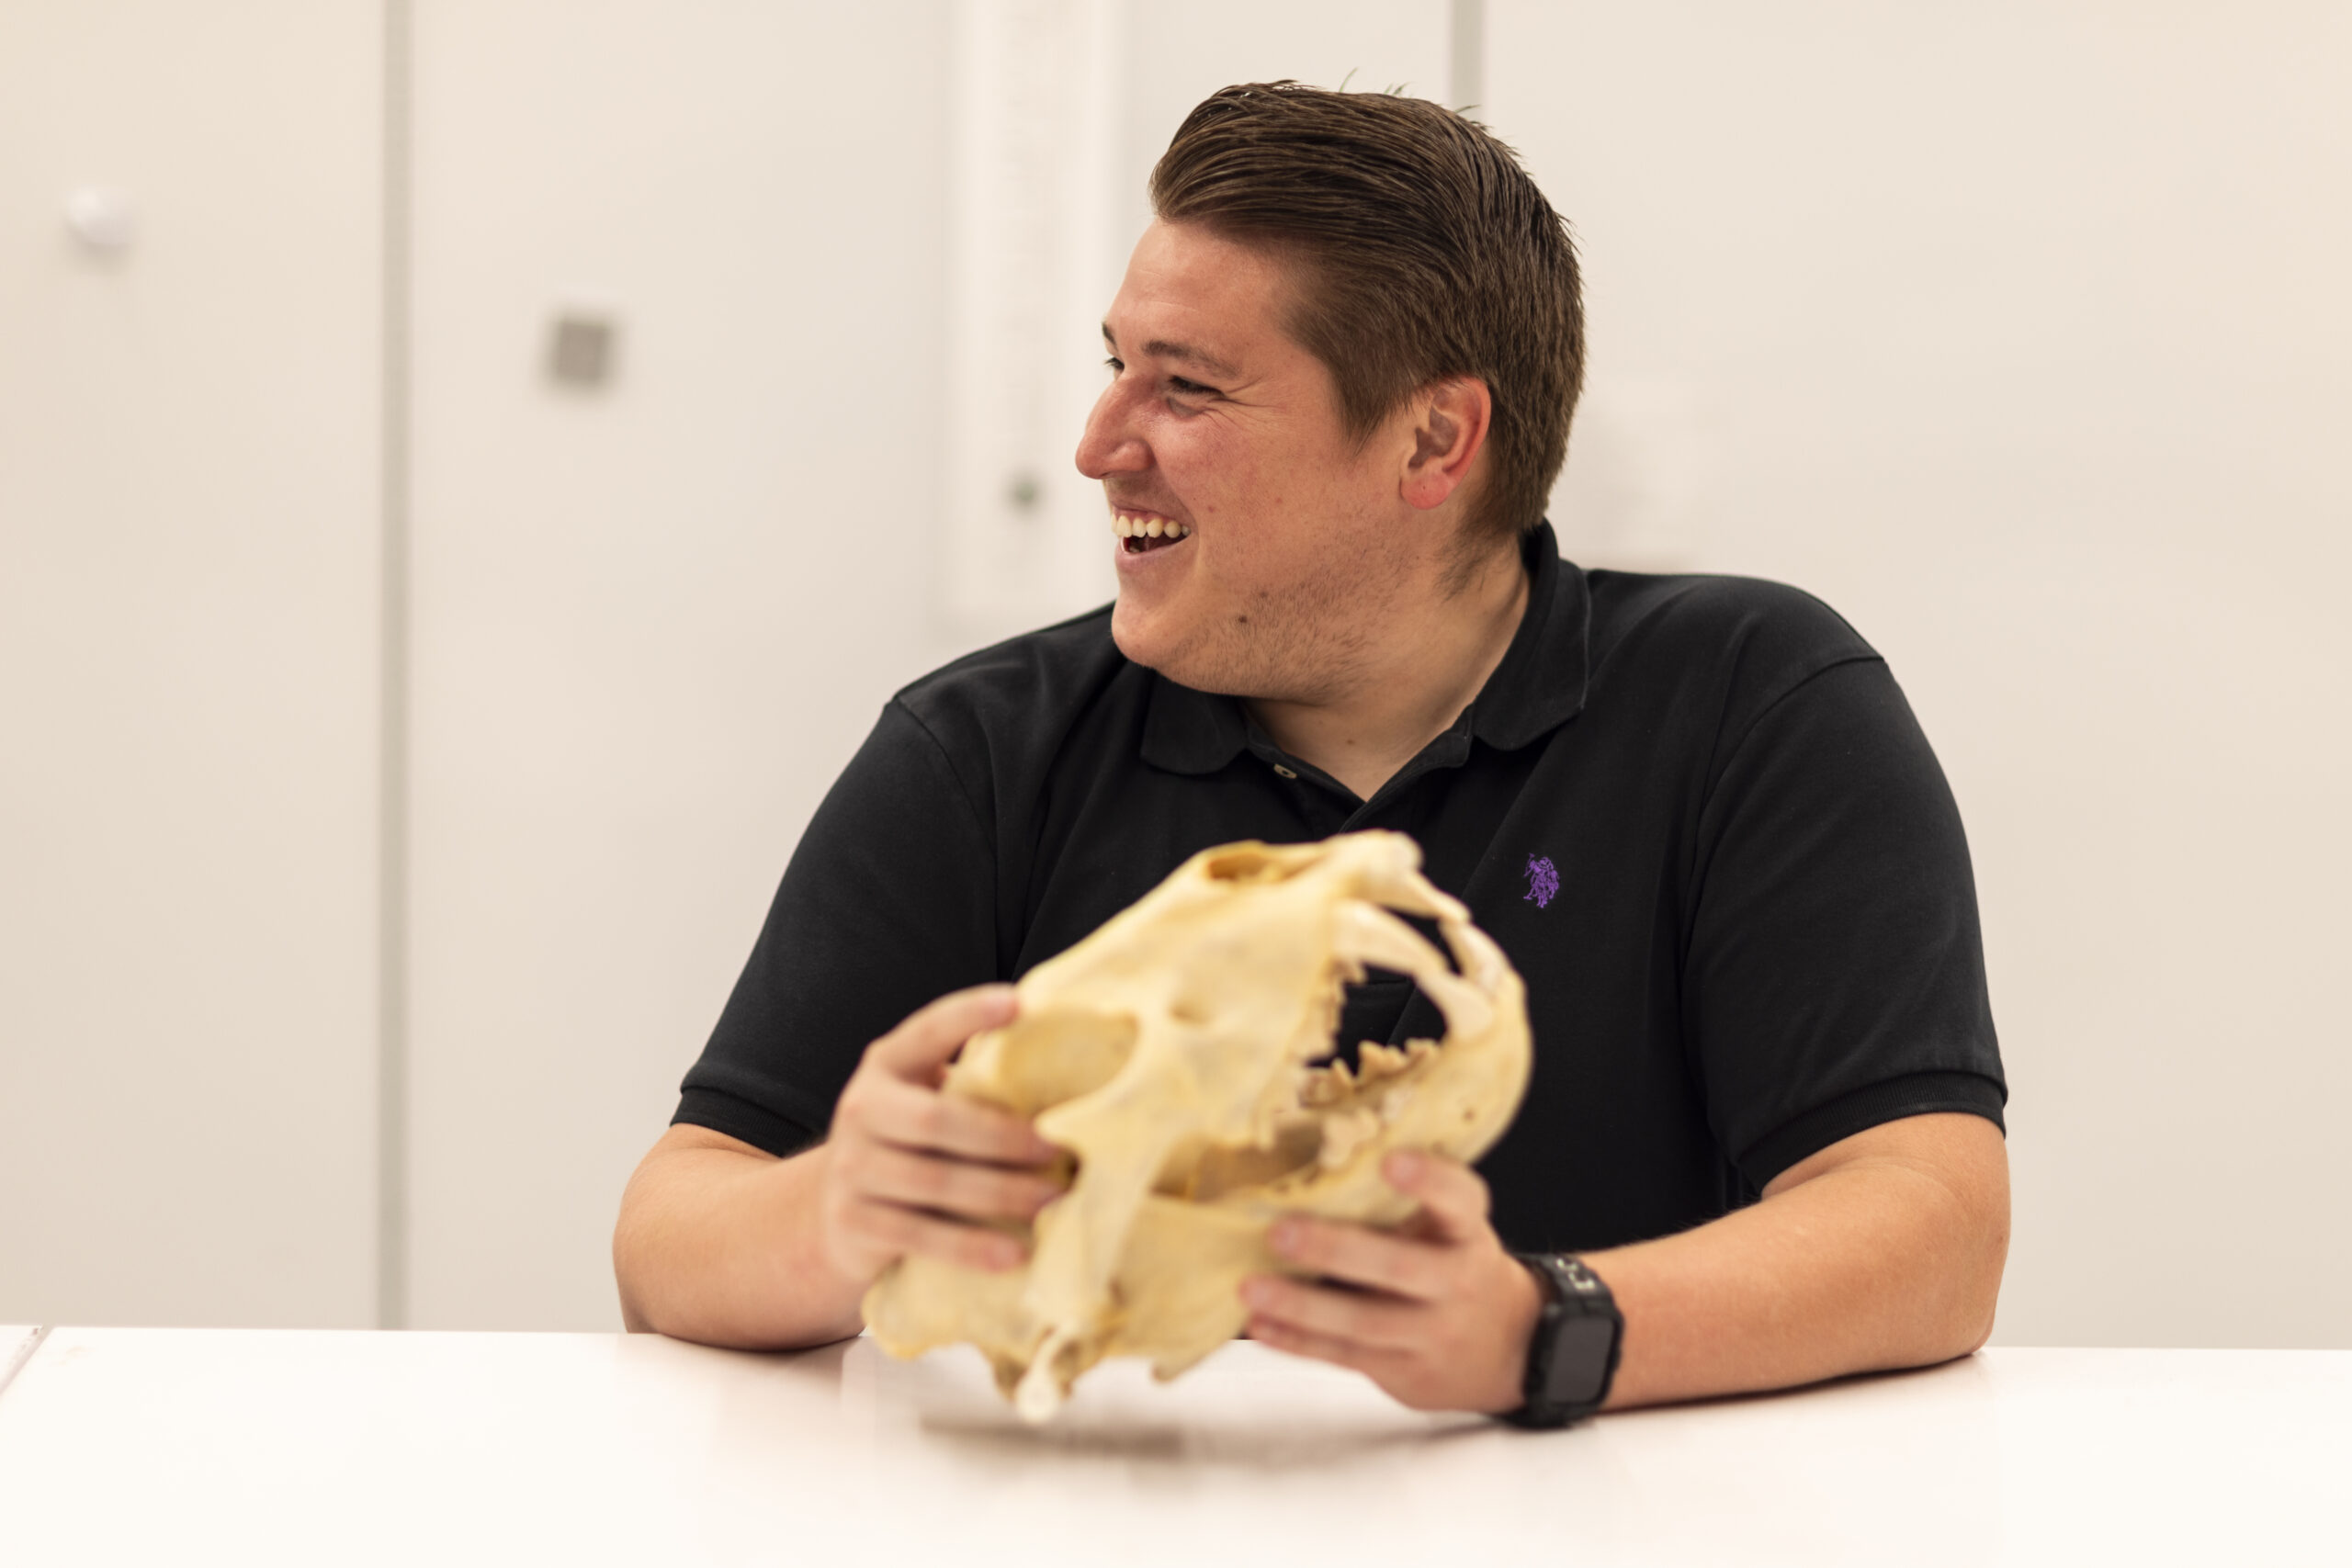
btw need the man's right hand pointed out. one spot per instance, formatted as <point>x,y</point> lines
<point>908,1169</point>
<point>722,1242</point>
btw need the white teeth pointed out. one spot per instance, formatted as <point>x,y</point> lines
<point>1130,527</point>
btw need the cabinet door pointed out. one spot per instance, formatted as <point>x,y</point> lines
<point>659,599</point>
<point>189,532</point>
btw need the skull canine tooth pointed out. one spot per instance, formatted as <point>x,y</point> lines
<point>1192,1134</point>
<point>1324,1086</point>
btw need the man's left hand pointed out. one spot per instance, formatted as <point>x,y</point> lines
<point>1436,1313</point>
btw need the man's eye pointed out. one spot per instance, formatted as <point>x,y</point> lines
<point>1192,388</point>
<point>1114,365</point>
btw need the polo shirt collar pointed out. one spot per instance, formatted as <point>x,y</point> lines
<point>1539,686</point>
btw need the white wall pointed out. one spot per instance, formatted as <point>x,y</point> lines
<point>1179,55</point>
<point>188,514</point>
<point>2019,333</point>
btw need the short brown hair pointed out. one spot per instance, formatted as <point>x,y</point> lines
<point>1427,253</point>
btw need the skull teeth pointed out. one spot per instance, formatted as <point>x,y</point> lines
<point>1375,1061</point>
<point>1321,1088</point>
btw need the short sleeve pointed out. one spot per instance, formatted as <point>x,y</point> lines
<point>1834,977</point>
<point>886,903</point>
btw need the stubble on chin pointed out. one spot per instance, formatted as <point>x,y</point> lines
<point>1305,646</point>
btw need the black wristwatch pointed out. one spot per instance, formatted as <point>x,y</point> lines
<point>1572,1355</point>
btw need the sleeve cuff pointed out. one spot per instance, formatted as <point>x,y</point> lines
<point>1918,1094</point>
<point>763,1129</point>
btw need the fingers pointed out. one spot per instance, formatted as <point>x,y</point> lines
<point>1420,1265</point>
<point>921,1045</point>
<point>912,1117</point>
<point>910,1170</point>
<point>1457,1356</point>
<point>894,1095</point>
<point>1366,1323</point>
<point>1453,1198</point>
<point>1399,1265</point>
<point>1438,1314</point>
<point>894,1232</point>
<point>884,1202</point>
<point>952,1187</point>
<point>1319,1347</point>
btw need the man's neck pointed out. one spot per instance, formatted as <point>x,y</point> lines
<point>1425,677</point>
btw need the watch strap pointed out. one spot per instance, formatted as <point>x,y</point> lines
<point>1577,1339</point>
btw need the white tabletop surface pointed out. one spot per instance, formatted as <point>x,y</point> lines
<point>16,1340</point>
<point>179,1446</point>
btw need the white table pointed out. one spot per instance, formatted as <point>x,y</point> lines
<point>16,1344</point>
<point>179,1446</point>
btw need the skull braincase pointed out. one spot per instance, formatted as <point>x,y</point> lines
<point>1171,1053</point>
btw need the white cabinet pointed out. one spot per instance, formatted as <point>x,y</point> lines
<point>654,614</point>
<point>190,511</point>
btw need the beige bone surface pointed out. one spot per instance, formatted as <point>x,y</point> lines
<point>1170,1054</point>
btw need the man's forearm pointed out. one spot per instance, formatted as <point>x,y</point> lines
<point>721,1244</point>
<point>1876,1259</point>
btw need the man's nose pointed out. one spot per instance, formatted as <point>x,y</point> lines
<point>1110,443</point>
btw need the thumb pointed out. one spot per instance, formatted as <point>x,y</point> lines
<point>919,1047</point>
<point>1453,1198</point>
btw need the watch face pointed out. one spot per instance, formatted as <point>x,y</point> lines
<point>1579,1360</point>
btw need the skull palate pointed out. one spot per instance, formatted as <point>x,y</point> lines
<point>1170,1054</point>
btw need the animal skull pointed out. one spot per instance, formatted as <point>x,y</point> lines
<point>1170,1054</point>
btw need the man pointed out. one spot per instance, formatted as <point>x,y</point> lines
<point>1696,812</point>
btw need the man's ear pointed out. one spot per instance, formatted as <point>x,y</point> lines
<point>1450,422</point>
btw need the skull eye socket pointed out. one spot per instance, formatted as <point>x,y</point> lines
<point>1042,1060</point>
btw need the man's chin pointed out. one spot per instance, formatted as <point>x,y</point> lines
<point>1136,635</point>
<point>1188,659</point>
<point>1149,640</point>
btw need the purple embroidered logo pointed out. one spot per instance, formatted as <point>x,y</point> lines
<point>1543,882</point>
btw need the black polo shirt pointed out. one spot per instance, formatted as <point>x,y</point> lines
<point>1695,811</point>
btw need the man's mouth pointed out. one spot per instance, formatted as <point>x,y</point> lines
<point>1140,532</point>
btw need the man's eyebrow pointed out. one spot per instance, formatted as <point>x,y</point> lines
<point>1160,348</point>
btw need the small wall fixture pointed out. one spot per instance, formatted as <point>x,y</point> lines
<point>581,343</point>
<point>105,220</point>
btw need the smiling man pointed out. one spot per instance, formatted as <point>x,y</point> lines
<point>1271,549</point>
<point>1762,1142</point>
